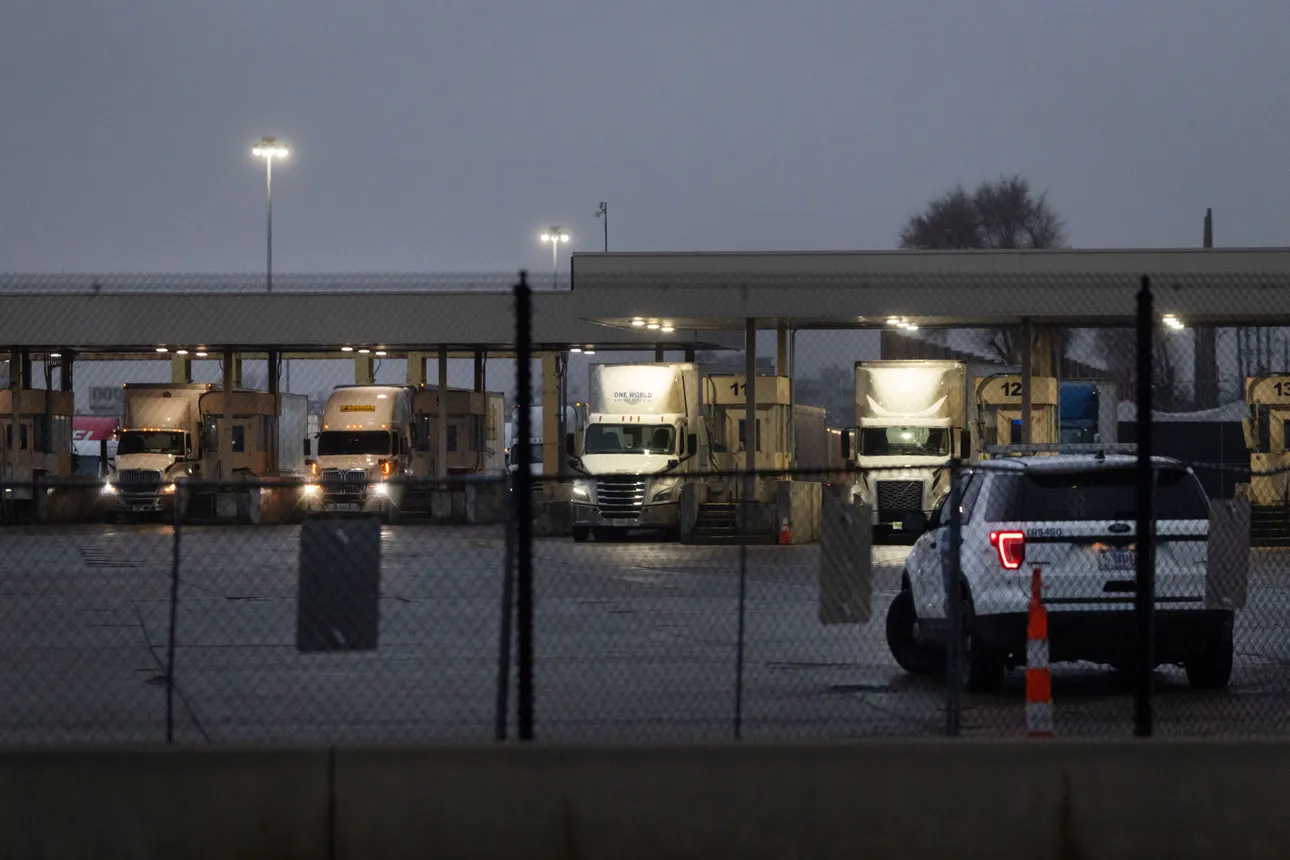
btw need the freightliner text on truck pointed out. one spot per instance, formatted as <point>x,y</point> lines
<point>641,438</point>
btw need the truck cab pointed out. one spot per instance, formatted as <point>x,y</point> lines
<point>364,452</point>
<point>160,442</point>
<point>640,439</point>
<point>913,419</point>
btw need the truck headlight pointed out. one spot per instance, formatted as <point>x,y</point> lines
<point>311,489</point>
<point>169,489</point>
<point>582,489</point>
<point>381,489</point>
<point>665,491</point>
<point>109,489</point>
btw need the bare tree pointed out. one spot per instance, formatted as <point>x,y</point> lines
<point>1001,214</point>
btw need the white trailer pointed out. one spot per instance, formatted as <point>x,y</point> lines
<point>160,442</point>
<point>366,441</point>
<point>642,435</point>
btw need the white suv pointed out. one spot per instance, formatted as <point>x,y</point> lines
<point>1073,517</point>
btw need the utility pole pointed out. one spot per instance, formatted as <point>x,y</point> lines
<point>1205,362</point>
<point>603,212</point>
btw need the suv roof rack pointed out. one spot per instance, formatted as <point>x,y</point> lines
<point>1095,448</point>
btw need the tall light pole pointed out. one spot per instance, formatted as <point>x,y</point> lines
<point>269,149</point>
<point>603,212</point>
<point>555,235</point>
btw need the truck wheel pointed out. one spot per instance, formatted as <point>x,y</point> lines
<point>581,533</point>
<point>1212,669</point>
<point>916,658</point>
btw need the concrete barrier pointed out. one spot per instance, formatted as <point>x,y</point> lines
<point>1003,800</point>
<point>149,805</point>
<point>486,502</point>
<point>877,800</point>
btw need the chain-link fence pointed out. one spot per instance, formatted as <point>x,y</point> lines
<point>656,588</point>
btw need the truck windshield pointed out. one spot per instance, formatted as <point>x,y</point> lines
<point>151,442</point>
<point>629,439</point>
<point>341,442</point>
<point>918,441</point>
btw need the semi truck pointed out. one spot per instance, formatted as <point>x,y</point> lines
<point>160,442</point>
<point>913,418</point>
<point>642,435</point>
<point>365,452</point>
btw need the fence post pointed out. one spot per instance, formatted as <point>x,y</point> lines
<point>742,609</point>
<point>508,609</point>
<point>181,491</point>
<point>1145,593</point>
<point>524,508</point>
<point>954,604</point>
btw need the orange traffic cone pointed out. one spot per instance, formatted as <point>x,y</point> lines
<point>785,536</point>
<point>1039,679</point>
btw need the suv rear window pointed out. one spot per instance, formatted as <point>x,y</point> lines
<point>1103,494</point>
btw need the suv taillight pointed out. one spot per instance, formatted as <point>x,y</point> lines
<point>1011,547</point>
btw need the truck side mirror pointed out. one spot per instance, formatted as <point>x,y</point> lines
<point>570,445</point>
<point>1247,430</point>
<point>692,444</point>
<point>308,448</point>
<point>846,445</point>
<point>965,444</point>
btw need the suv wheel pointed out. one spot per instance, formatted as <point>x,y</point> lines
<point>915,657</point>
<point>983,666</point>
<point>1212,669</point>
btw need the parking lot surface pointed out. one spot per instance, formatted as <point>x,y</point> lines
<point>633,641</point>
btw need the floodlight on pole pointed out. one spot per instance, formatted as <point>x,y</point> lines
<point>269,148</point>
<point>555,235</point>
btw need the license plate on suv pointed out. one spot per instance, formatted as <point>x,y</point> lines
<point>1117,559</point>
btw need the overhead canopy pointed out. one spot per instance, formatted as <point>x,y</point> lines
<point>709,293</point>
<point>960,288</point>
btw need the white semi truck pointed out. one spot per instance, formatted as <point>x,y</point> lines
<point>160,442</point>
<point>366,441</point>
<point>642,435</point>
<point>913,418</point>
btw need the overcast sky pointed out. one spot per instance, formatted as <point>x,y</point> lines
<point>434,136</point>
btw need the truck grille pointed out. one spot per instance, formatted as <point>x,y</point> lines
<point>901,496</point>
<point>138,480</point>
<point>620,497</point>
<point>346,486</point>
